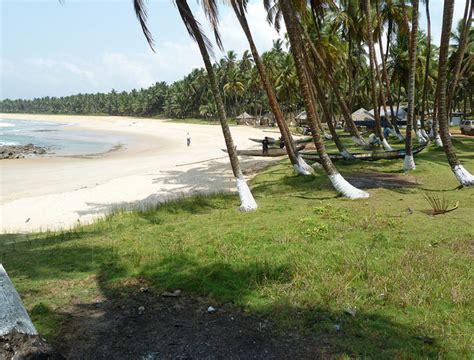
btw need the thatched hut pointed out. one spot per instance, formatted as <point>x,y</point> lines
<point>362,115</point>
<point>267,119</point>
<point>245,119</point>
<point>301,118</point>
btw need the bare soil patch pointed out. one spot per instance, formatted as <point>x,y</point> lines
<point>374,179</point>
<point>25,347</point>
<point>145,325</point>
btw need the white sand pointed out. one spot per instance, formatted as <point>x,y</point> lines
<point>50,193</point>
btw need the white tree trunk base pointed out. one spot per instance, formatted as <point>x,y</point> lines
<point>420,137</point>
<point>438,141</point>
<point>359,141</point>
<point>247,201</point>
<point>409,163</point>
<point>344,188</point>
<point>347,155</point>
<point>431,133</point>
<point>386,145</point>
<point>13,315</point>
<point>464,177</point>
<point>327,136</point>
<point>425,135</point>
<point>302,168</point>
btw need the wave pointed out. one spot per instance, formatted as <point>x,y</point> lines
<point>8,143</point>
<point>4,124</point>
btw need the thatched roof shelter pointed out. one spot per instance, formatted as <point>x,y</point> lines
<point>362,115</point>
<point>245,116</point>
<point>245,119</point>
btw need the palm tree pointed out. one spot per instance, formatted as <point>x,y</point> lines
<point>295,38</point>
<point>297,161</point>
<point>247,201</point>
<point>427,70</point>
<point>464,29</point>
<point>373,74</point>
<point>463,176</point>
<point>409,163</point>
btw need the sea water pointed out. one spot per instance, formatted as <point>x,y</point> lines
<point>60,139</point>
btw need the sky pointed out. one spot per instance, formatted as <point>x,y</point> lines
<point>85,46</point>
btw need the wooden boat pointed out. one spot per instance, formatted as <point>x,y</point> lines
<point>272,152</point>
<point>273,141</point>
<point>312,156</point>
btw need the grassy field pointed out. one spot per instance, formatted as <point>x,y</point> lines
<point>306,258</point>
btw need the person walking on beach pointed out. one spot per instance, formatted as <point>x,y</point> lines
<point>188,139</point>
<point>265,143</point>
<point>282,142</point>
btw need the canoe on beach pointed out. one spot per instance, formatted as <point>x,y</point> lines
<point>312,156</point>
<point>273,141</point>
<point>272,152</point>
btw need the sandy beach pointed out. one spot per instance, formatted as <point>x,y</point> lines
<point>154,165</point>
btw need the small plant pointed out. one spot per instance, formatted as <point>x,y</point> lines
<point>439,205</point>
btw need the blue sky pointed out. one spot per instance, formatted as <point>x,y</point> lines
<point>48,49</point>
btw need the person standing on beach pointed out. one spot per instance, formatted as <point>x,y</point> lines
<point>265,143</point>
<point>188,139</point>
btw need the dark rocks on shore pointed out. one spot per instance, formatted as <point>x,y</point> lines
<point>21,151</point>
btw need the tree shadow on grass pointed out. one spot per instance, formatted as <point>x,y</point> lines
<point>129,319</point>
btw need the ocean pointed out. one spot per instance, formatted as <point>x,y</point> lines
<point>60,139</point>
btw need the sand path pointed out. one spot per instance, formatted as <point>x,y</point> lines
<point>51,193</point>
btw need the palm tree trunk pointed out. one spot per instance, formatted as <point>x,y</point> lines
<point>292,26</point>
<point>342,104</point>
<point>427,70</point>
<point>246,198</point>
<point>409,163</point>
<point>386,80</point>
<point>318,94</point>
<point>467,19</point>
<point>300,166</point>
<point>373,70</point>
<point>463,176</point>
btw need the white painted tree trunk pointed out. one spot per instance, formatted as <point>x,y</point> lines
<point>464,177</point>
<point>438,141</point>
<point>359,141</point>
<point>409,163</point>
<point>327,136</point>
<point>302,168</point>
<point>13,315</point>
<point>347,155</point>
<point>344,188</point>
<point>247,201</point>
<point>386,145</point>
<point>420,137</point>
<point>425,135</point>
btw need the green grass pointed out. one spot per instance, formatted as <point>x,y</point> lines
<point>303,258</point>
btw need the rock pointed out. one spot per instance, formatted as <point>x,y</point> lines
<point>175,293</point>
<point>351,312</point>
<point>141,310</point>
<point>20,151</point>
<point>211,310</point>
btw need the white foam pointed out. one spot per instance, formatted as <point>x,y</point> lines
<point>5,124</point>
<point>8,143</point>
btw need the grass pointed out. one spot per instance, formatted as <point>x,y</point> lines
<point>304,258</point>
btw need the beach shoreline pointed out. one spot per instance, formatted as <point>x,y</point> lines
<point>155,165</point>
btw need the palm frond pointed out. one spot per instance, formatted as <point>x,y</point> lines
<point>192,25</point>
<point>211,11</point>
<point>142,16</point>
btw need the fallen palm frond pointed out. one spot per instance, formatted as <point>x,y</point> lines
<point>439,204</point>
